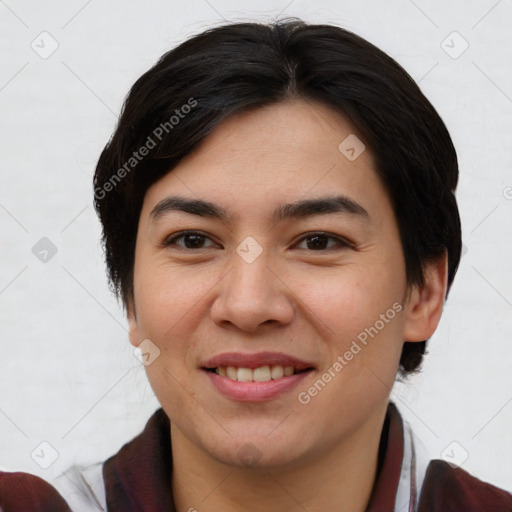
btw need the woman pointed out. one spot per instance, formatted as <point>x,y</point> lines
<point>279,220</point>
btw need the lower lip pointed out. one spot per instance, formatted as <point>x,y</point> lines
<point>255,391</point>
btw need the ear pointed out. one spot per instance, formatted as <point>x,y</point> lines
<point>133,325</point>
<point>425,304</point>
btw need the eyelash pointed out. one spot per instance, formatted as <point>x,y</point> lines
<point>342,243</point>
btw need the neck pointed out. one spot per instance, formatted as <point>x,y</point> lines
<point>344,474</point>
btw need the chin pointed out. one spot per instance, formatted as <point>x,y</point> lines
<point>257,452</point>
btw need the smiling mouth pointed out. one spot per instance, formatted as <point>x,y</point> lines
<point>264,373</point>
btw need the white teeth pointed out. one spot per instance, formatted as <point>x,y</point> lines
<point>244,374</point>
<point>277,372</point>
<point>260,374</point>
<point>232,373</point>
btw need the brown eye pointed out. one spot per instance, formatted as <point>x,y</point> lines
<point>188,240</point>
<point>322,242</point>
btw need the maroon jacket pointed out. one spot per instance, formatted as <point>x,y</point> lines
<point>137,479</point>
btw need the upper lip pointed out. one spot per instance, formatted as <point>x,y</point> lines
<point>255,360</point>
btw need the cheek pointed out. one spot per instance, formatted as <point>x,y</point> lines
<point>348,300</point>
<point>362,346</point>
<point>168,311</point>
<point>170,305</point>
<point>359,317</point>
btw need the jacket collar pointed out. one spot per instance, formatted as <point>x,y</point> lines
<point>138,476</point>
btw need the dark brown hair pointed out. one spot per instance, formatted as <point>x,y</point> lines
<point>241,66</point>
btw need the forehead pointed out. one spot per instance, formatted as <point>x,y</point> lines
<point>275,155</point>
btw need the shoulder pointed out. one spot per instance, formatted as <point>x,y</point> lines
<point>83,488</point>
<point>79,488</point>
<point>452,489</point>
<point>23,492</point>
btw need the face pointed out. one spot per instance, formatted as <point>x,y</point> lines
<point>272,252</point>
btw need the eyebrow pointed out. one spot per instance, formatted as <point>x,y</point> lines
<point>298,209</point>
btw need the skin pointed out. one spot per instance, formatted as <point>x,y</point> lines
<point>196,302</point>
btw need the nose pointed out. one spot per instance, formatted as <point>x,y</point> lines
<point>252,295</point>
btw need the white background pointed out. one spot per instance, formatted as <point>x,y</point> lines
<point>67,372</point>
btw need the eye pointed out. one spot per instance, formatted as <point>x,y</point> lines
<point>320,242</point>
<point>190,239</point>
<point>317,242</point>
